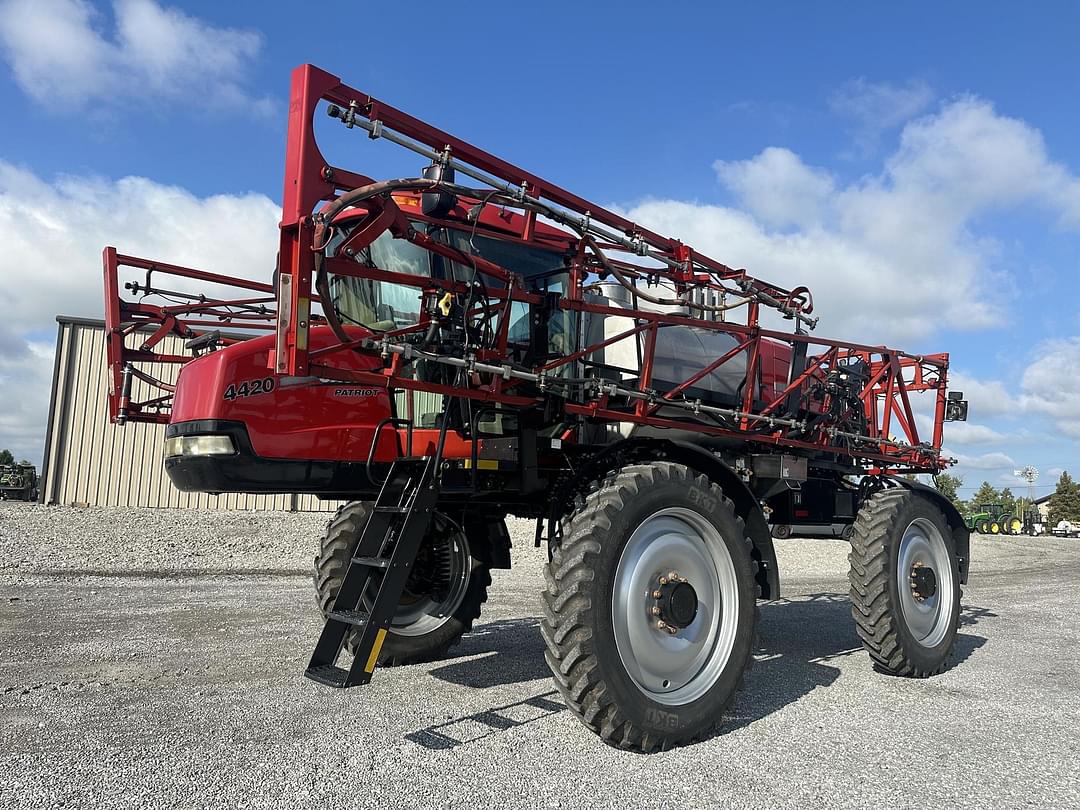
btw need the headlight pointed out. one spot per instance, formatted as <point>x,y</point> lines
<point>199,446</point>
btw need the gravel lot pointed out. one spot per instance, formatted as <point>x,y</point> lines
<point>144,667</point>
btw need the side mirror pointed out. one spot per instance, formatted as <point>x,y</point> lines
<point>437,204</point>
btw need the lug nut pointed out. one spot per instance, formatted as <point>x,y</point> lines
<point>656,610</point>
<point>663,581</point>
<point>661,625</point>
<point>657,594</point>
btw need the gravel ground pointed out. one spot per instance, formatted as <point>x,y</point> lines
<point>134,672</point>
<point>36,538</point>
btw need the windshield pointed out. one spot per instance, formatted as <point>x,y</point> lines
<point>525,260</point>
<point>383,306</point>
<point>544,270</point>
<point>380,305</point>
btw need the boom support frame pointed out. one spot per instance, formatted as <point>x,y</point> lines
<point>649,265</point>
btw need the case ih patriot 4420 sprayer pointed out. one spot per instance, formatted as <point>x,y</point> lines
<point>446,350</point>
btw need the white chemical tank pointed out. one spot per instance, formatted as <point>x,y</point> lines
<point>681,351</point>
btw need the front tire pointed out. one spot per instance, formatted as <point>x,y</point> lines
<point>424,626</point>
<point>649,610</point>
<point>905,583</point>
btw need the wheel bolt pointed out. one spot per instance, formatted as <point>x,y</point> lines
<point>656,610</point>
<point>663,580</point>
<point>661,625</point>
<point>657,594</point>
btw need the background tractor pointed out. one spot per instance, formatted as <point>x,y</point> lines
<point>447,350</point>
<point>18,482</point>
<point>994,518</point>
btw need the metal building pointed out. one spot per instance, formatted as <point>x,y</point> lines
<point>91,462</point>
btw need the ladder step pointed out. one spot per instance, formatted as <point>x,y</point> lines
<point>372,562</point>
<point>354,617</point>
<point>392,510</point>
<point>328,675</point>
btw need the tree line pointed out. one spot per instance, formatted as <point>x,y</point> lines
<point>1064,503</point>
<point>7,457</point>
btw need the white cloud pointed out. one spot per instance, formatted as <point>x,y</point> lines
<point>968,159</point>
<point>1049,387</point>
<point>1051,384</point>
<point>777,187</point>
<point>53,233</point>
<point>972,433</point>
<point>986,397</point>
<point>1049,390</point>
<point>986,461</point>
<point>75,217</point>
<point>61,53</point>
<point>1009,481</point>
<point>25,379</point>
<point>893,256</point>
<point>876,107</point>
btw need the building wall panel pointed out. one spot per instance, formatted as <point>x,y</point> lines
<point>90,461</point>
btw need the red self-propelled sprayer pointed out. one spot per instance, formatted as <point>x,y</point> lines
<point>447,350</point>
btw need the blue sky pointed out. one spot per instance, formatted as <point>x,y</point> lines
<point>916,165</point>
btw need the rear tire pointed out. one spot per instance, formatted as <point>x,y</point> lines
<point>905,584</point>
<point>416,638</point>
<point>602,616</point>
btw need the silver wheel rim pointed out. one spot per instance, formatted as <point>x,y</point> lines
<point>928,619</point>
<point>675,669</point>
<point>425,615</point>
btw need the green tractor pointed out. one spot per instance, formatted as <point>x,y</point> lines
<point>18,482</point>
<point>994,518</point>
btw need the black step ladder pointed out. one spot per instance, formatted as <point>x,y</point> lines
<point>373,582</point>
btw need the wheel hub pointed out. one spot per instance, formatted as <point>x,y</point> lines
<point>675,603</point>
<point>926,589</point>
<point>437,583</point>
<point>675,641</point>
<point>923,582</point>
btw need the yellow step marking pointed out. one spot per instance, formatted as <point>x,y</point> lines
<point>375,650</point>
<point>483,464</point>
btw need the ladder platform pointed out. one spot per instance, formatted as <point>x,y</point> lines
<point>328,675</point>
<point>357,618</point>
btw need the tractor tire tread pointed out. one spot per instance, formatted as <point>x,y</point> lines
<point>335,551</point>
<point>875,618</point>
<point>569,604</point>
